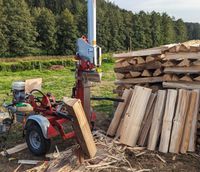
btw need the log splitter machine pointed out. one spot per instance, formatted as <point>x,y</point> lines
<point>43,117</point>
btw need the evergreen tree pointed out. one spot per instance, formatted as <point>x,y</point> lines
<point>139,33</point>
<point>3,41</point>
<point>168,32</point>
<point>181,31</point>
<point>46,28</point>
<point>193,30</point>
<point>67,33</point>
<point>156,29</point>
<point>20,33</point>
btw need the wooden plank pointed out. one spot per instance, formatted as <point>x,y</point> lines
<point>135,74</point>
<point>118,133</point>
<point>140,53</point>
<point>147,111</point>
<point>167,121</point>
<point>134,116</point>
<point>188,123</point>
<point>156,125</point>
<point>181,56</point>
<point>15,149</point>
<point>182,84</point>
<point>179,120</point>
<point>183,70</point>
<point>118,113</point>
<point>138,67</point>
<point>28,162</point>
<point>81,126</point>
<point>146,124</point>
<point>193,134</point>
<point>139,80</point>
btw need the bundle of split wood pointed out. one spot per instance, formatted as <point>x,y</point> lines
<point>165,119</point>
<point>169,66</point>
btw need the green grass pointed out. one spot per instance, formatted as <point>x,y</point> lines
<point>60,83</point>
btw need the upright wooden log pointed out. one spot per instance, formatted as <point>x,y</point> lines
<point>179,121</point>
<point>167,120</point>
<point>119,112</point>
<point>193,108</point>
<point>146,124</point>
<point>156,125</point>
<point>192,143</point>
<point>81,126</point>
<point>134,116</point>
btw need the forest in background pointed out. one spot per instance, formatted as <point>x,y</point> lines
<point>51,27</point>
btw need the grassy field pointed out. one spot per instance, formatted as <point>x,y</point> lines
<point>60,83</point>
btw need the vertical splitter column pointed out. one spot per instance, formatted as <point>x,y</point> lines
<point>92,22</point>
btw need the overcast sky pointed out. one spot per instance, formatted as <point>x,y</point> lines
<point>188,10</point>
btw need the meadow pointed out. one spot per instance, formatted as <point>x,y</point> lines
<point>59,83</point>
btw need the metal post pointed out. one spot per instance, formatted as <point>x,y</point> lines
<point>92,22</point>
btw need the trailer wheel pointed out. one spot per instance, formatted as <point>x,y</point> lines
<point>35,140</point>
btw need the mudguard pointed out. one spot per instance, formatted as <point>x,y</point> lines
<point>41,121</point>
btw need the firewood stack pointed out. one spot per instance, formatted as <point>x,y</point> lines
<point>172,74</point>
<point>169,66</point>
<point>165,120</point>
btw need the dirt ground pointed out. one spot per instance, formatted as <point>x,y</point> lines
<point>148,160</point>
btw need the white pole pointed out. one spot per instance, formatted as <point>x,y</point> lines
<point>92,22</point>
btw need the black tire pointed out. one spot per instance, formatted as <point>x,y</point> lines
<point>35,140</point>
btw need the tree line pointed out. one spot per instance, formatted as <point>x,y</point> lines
<point>37,27</point>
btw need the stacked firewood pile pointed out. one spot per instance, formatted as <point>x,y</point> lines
<point>169,66</point>
<point>170,75</point>
<point>165,120</point>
